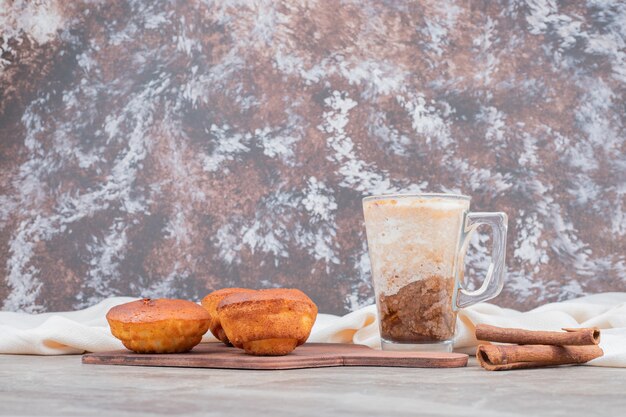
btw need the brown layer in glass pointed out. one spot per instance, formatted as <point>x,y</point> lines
<point>420,312</point>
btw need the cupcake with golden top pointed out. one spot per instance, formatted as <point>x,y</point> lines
<point>159,326</point>
<point>267,322</point>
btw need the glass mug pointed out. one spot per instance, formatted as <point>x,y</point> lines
<point>417,245</point>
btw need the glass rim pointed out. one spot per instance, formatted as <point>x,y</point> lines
<point>450,196</point>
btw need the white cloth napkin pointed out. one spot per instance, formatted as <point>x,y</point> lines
<point>87,330</point>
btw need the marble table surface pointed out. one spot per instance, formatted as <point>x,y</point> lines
<point>33,385</point>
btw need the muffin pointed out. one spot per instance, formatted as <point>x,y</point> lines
<point>159,326</point>
<point>210,303</point>
<point>267,322</point>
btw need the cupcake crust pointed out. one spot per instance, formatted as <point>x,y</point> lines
<point>210,303</point>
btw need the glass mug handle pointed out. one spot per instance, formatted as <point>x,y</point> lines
<point>494,280</point>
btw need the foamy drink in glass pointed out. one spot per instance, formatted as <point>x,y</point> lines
<point>416,245</point>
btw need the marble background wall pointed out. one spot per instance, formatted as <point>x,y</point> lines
<point>167,148</point>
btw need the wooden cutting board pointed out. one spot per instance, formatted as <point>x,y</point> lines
<point>309,355</point>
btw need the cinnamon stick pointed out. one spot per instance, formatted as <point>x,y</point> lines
<point>501,358</point>
<point>570,337</point>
